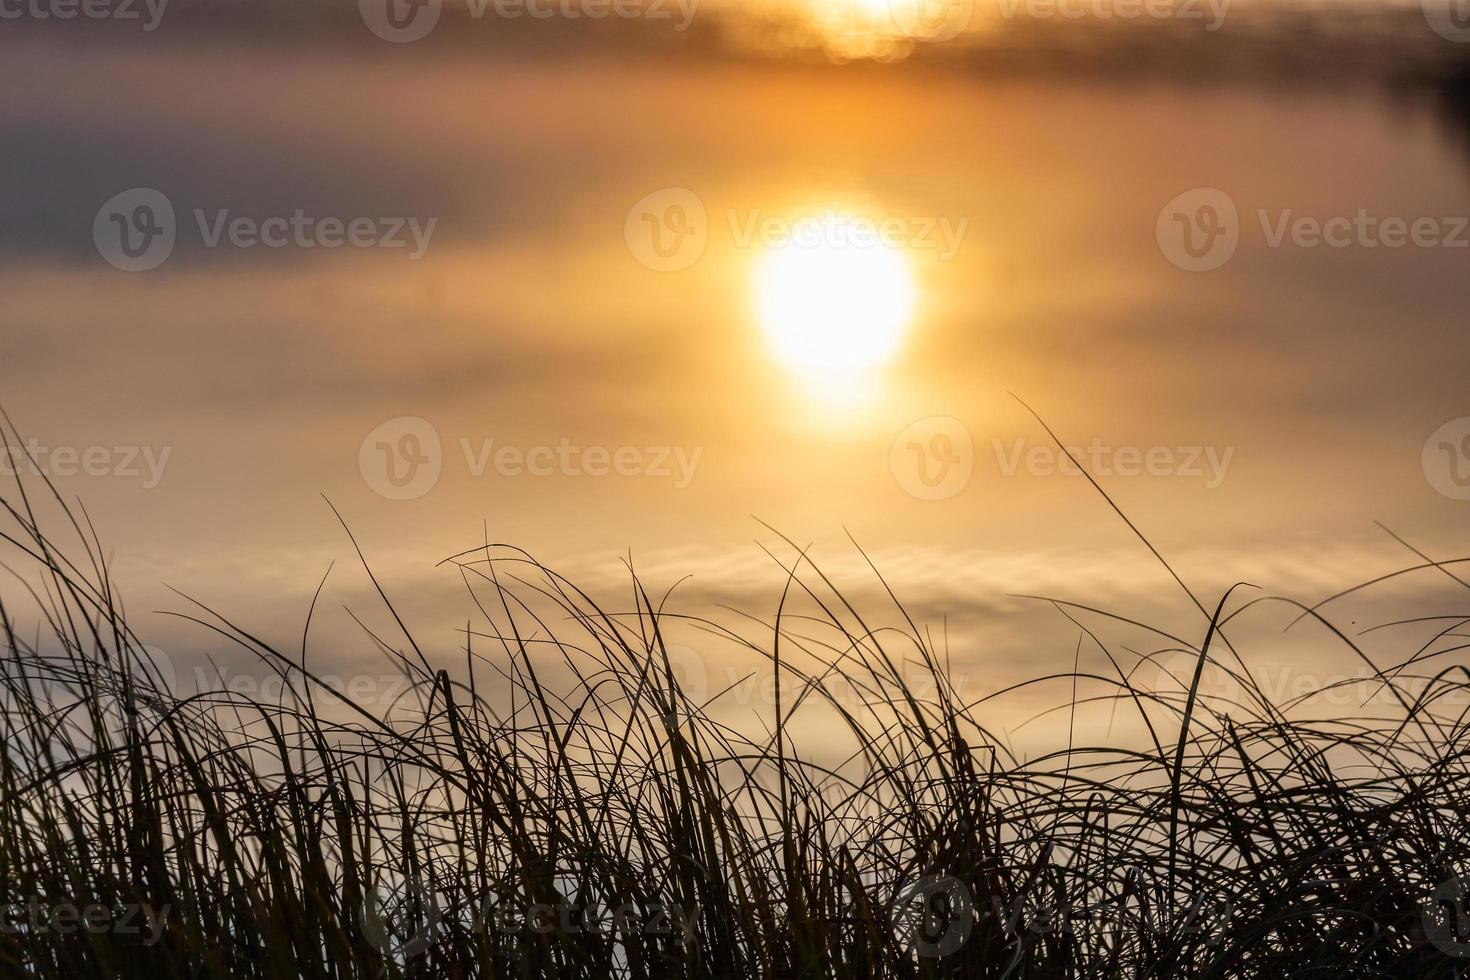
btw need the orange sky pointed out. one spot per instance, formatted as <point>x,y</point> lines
<point>1313,376</point>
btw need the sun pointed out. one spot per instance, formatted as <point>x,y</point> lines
<point>833,297</point>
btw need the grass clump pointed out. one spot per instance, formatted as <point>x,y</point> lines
<point>552,799</point>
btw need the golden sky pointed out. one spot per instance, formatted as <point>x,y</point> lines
<point>1267,411</point>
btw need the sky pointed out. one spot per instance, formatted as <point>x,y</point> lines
<point>564,325</point>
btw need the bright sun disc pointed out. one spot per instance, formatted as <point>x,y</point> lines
<point>833,301</point>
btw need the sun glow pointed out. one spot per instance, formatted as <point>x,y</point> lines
<point>833,301</point>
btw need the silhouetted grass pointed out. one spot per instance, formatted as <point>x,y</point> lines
<point>584,815</point>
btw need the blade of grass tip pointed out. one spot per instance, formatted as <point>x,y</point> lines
<point>1452,576</point>
<point>1178,767</point>
<point>383,595</point>
<point>1132,527</point>
<point>1116,509</point>
<point>1379,580</point>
